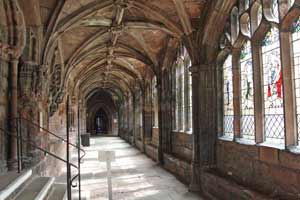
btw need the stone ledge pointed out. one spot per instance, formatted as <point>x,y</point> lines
<point>152,152</point>
<point>179,167</point>
<point>225,189</point>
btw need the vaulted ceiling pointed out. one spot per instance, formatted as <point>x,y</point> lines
<point>115,44</point>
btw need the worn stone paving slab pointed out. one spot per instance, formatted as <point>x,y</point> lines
<point>134,175</point>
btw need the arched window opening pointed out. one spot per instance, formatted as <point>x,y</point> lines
<point>235,26</point>
<point>256,16</point>
<point>183,91</point>
<point>273,88</point>
<point>228,98</point>
<point>296,51</point>
<point>271,10</point>
<point>180,93</point>
<point>154,102</point>
<point>244,5</point>
<point>247,93</point>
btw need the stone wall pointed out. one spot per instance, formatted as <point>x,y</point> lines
<point>152,152</point>
<point>178,167</point>
<point>51,166</point>
<point>155,137</point>
<point>270,171</point>
<point>182,145</point>
<point>218,187</point>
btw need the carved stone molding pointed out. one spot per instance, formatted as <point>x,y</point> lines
<point>123,4</point>
<point>8,52</point>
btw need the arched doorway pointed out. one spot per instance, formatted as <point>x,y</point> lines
<point>101,122</point>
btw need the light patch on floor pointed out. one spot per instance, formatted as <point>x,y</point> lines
<point>134,175</point>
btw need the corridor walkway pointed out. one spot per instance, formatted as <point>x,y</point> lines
<point>134,176</point>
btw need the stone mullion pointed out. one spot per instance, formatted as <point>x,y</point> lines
<point>236,92</point>
<point>258,91</point>
<point>289,89</point>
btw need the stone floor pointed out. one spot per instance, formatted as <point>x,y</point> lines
<point>134,176</point>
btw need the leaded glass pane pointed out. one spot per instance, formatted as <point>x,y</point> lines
<point>247,95</point>
<point>228,98</point>
<point>296,50</point>
<point>273,88</point>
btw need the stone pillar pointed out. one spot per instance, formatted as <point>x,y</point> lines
<point>195,184</point>
<point>144,120</point>
<point>160,118</point>
<point>12,163</point>
<point>133,119</point>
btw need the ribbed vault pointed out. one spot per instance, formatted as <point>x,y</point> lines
<point>115,44</point>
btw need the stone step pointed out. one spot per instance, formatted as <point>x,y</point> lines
<point>12,182</point>
<point>58,192</point>
<point>38,189</point>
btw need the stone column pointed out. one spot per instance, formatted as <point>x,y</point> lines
<point>12,163</point>
<point>160,126</point>
<point>195,184</point>
<point>133,119</point>
<point>144,120</point>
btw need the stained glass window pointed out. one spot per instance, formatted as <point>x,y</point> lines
<point>228,98</point>
<point>273,88</point>
<point>296,50</point>
<point>247,97</point>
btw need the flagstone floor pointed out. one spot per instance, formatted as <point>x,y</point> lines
<point>134,175</point>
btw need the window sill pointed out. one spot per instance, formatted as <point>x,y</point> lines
<point>226,138</point>
<point>275,146</point>
<point>184,132</point>
<point>245,141</point>
<point>294,149</point>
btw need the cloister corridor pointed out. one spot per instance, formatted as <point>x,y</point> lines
<point>134,175</point>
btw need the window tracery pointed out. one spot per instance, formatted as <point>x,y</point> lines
<point>183,91</point>
<point>256,16</point>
